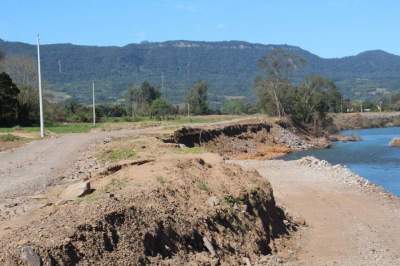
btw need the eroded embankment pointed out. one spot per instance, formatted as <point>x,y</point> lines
<point>197,136</point>
<point>259,139</point>
<point>175,209</point>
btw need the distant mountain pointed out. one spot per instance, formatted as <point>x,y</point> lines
<point>229,67</point>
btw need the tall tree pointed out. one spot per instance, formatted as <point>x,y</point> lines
<point>149,93</point>
<point>28,108</point>
<point>160,108</point>
<point>139,99</point>
<point>132,98</point>
<point>313,100</point>
<point>309,101</point>
<point>234,107</point>
<point>8,100</point>
<point>273,92</point>
<point>197,98</point>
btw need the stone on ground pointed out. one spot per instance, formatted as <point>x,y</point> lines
<point>75,190</point>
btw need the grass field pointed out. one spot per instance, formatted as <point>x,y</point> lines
<point>113,123</point>
<point>9,138</point>
<point>53,128</point>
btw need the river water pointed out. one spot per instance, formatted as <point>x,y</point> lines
<point>371,158</point>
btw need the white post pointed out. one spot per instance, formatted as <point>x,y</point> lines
<point>40,90</point>
<point>94,106</point>
<point>188,106</point>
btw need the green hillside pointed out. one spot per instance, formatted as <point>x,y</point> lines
<point>228,67</point>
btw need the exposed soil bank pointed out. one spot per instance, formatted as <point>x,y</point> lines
<point>197,136</point>
<point>258,139</point>
<point>179,209</point>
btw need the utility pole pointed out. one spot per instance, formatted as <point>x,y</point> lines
<point>94,106</point>
<point>40,90</point>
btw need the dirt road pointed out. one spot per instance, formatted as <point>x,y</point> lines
<point>347,225</point>
<point>31,168</point>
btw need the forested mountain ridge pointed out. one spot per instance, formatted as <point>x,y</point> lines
<point>229,67</point>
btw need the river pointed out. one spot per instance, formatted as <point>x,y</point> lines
<point>371,158</point>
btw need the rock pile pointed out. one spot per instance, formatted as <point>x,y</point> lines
<point>339,172</point>
<point>395,142</point>
<point>288,138</point>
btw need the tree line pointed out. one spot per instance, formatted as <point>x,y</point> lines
<point>306,101</point>
<point>19,100</point>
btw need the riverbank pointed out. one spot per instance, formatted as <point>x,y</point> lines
<point>349,220</point>
<point>342,121</point>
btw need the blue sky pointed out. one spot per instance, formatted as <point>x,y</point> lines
<point>329,28</point>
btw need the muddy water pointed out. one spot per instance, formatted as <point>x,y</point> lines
<point>371,158</point>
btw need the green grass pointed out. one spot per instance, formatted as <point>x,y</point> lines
<point>193,150</point>
<point>91,198</point>
<point>120,154</point>
<point>6,129</point>
<point>63,128</point>
<point>58,128</point>
<point>9,138</point>
<point>71,128</point>
<point>195,119</point>
<point>202,185</point>
<point>231,200</point>
<point>173,120</point>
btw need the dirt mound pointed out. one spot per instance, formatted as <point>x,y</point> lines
<point>178,210</point>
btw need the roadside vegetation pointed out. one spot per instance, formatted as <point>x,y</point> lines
<point>118,154</point>
<point>9,138</point>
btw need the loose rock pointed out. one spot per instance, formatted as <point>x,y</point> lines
<point>395,142</point>
<point>209,246</point>
<point>29,256</point>
<point>76,190</point>
<point>213,201</point>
